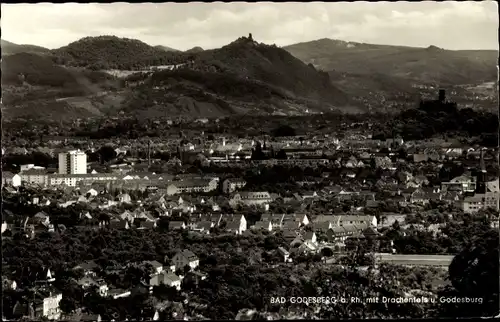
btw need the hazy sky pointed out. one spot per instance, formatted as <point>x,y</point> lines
<point>451,25</point>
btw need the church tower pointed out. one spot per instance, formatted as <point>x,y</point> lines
<point>481,175</point>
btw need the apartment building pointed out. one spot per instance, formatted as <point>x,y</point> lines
<point>73,162</point>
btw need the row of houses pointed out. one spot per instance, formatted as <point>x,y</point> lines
<point>42,178</point>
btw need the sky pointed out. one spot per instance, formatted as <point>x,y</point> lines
<point>449,25</point>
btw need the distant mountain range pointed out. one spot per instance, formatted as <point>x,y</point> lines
<point>417,65</point>
<point>242,77</point>
<point>9,48</point>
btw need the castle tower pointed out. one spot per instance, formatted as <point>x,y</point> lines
<point>442,95</point>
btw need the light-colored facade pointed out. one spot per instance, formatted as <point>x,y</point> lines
<point>464,183</point>
<point>184,258</point>
<point>481,201</point>
<point>338,221</point>
<point>237,224</point>
<point>73,162</point>
<point>51,306</point>
<point>32,176</point>
<point>25,167</point>
<point>172,280</point>
<point>8,178</point>
<point>72,180</point>
<point>251,198</point>
<point>190,186</point>
<point>230,185</point>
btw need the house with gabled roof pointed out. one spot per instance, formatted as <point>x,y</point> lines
<point>176,225</point>
<point>232,184</point>
<point>275,219</point>
<point>286,255</point>
<point>341,233</point>
<point>235,223</point>
<point>88,268</point>
<point>324,218</point>
<point>419,197</point>
<point>213,219</point>
<point>464,183</point>
<point>45,303</point>
<point>310,236</point>
<point>157,266</point>
<point>289,235</point>
<point>202,227</point>
<point>251,198</point>
<point>124,198</point>
<point>300,218</point>
<point>146,224</point>
<point>354,220</point>
<point>337,234</point>
<point>322,226</point>
<point>119,224</point>
<point>89,281</point>
<point>190,186</point>
<point>263,225</point>
<point>41,217</point>
<point>9,178</point>
<point>185,257</point>
<point>172,280</point>
<point>290,225</point>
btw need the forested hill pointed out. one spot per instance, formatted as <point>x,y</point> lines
<point>166,48</point>
<point>111,52</point>
<point>36,70</point>
<point>274,66</point>
<point>195,50</point>
<point>242,77</point>
<point>238,78</point>
<point>423,123</point>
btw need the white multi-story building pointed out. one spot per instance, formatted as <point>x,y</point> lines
<point>33,176</point>
<point>46,304</point>
<point>73,162</point>
<point>481,201</point>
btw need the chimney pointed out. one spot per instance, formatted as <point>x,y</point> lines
<point>442,95</point>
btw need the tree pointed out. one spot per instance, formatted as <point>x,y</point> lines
<point>327,252</point>
<point>107,153</point>
<point>281,155</point>
<point>474,274</point>
<point>257,153</point>
<point>67,304</point>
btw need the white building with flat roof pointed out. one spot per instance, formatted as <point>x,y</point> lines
<point>73,162</point>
